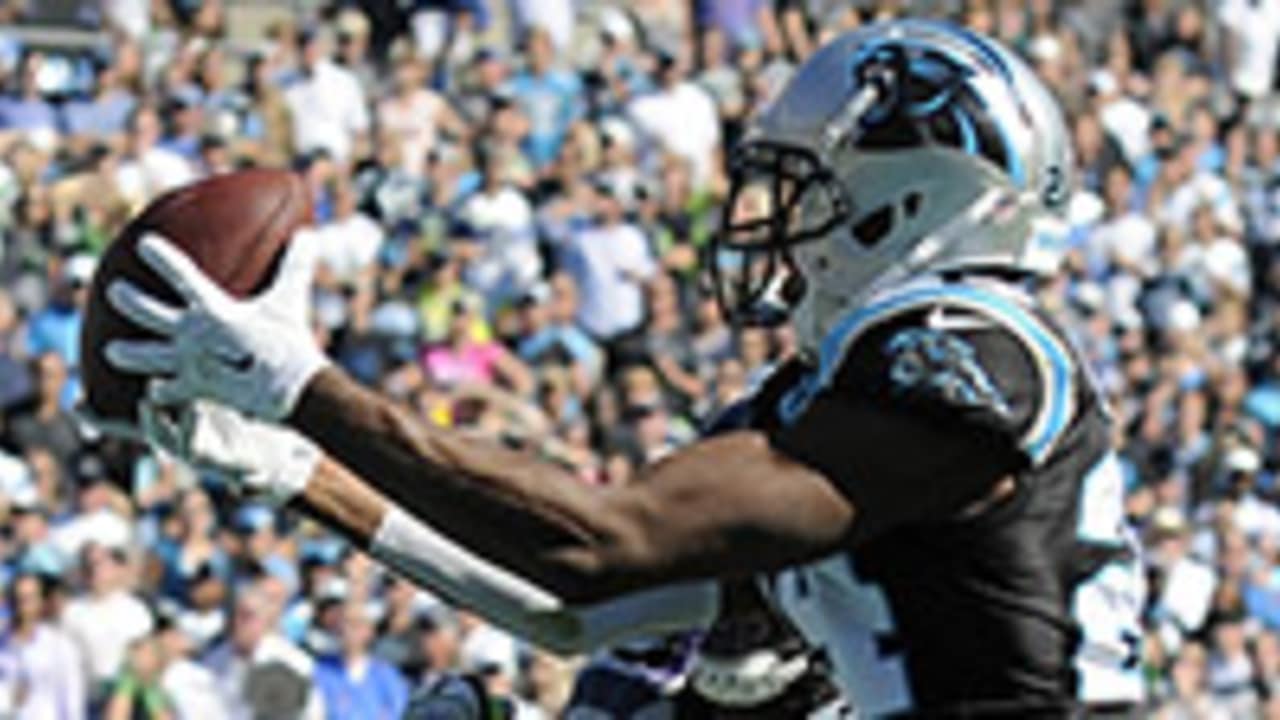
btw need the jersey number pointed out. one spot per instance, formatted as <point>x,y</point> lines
<point>851,621</point>
<point>1108,603</point>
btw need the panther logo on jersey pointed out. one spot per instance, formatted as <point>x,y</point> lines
<point>925,362</point>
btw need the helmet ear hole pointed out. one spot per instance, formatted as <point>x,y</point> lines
<point>874,226</point>
<point>911,204</point>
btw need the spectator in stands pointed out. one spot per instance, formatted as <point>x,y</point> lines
<point>681,118</point>
<point>503,260</point>
<point>258,671</point>
<point>549,97</point>
<point>34,549</point>
<point>26,111</point>
<point>136,693</point>
<point>1188,695</point>
<point>108,618</point>
<point>46,424</point>
<point>356,684</point>
<point>15,375</point>
<point>326,102</point>
<point>192,549</point>
<point>609,261</point>
<point>147,168</point>
<point>413,117</point>
<point>550,335</point>
<point>349,243</point>
<point>55,328</point>
<point>190,687</point>
<point>492,656</point>
<point>462,359</point>
<point>438,643</point>
<point>104,115</point>
<point>668,346</point>
<point>41,668</point>
<point>1252,39</point>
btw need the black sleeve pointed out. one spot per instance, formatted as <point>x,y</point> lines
<point>917,423</point>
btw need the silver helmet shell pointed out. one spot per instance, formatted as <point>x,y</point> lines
<point>898,149</point>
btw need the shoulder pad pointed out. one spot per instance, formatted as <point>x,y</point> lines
<point>933,344</point>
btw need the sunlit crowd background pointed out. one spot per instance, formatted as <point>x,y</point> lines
<point>513,198</point>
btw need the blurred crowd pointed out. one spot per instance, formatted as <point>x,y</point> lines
<point>513,198</point>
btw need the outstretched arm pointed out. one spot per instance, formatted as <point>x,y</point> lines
<point>726,506</point>
<point>340,500</point>
<point>729,505</point>
<point>282,467</point>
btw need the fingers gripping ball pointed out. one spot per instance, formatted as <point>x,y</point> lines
<point>235,227</point>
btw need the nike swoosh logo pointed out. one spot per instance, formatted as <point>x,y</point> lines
<point>244,363</point>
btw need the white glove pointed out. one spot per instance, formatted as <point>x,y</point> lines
<point>253,355</point>
<point>256,458</point>
<point>92,426</point>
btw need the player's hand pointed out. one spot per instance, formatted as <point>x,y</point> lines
<point>254,355</point>
<point>257,459</point>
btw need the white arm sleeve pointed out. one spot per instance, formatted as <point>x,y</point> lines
<point>429,558</point>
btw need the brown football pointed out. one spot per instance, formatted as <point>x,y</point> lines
<point>234,226</point>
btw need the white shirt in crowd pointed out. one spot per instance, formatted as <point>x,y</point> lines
<point>554,16</point>
<point>42,678</point>
<point>609,264</point>
<point>102,526</point>
<point>133,17</point>
<point>1226,263</point>
<point>1257,519</point>
<point>193,690</point>
<point>505,210</point>
<point>1130,238</point>
<point>150,173</point>
<point>510,263</point>
<point>484,649</point>
<point>350,245</point>
<point>327,107</point>
<point>412,122</point>
<point>1200,188</point>
<point>683,121</point>
<point>1129,122</point>
<point>1255,29</point>
<point>104,626</point>
<point>231,671</point>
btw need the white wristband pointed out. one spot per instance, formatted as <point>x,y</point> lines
<point>521,606</point>
<point>435,560</point>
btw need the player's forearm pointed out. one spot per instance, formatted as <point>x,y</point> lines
<point>342,503</point>
<point>523,514</point>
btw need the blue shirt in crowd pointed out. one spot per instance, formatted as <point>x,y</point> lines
<point>380,693</point>
<point>551,102</point>
<point>17,113</point>
<point>99,117</point>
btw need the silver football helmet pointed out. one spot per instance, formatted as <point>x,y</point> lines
<point>898,149</point>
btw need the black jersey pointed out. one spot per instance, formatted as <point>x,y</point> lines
<point>990,569</point>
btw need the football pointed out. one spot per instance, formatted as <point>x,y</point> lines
<point>234,226</point>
